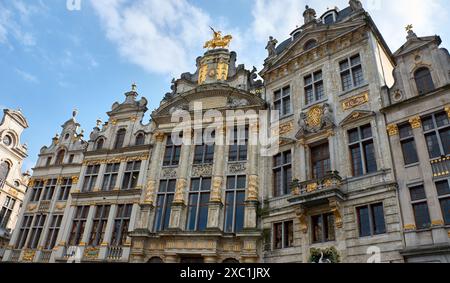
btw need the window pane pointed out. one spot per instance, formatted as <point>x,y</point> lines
<point>278,235</point>
<point>366,132</point>
<point>346,80</point>
<point>343,65</point>
<point>433,145</point>
<point>409,152</point>
<point>421,215</point>
<point>229,203</point>
<point>442,119</point>
<point>427,123</point>
<point>241,182</point>
<point>443,188</point>
<point>358,77</point>
<point>364,221</point>
<point>355,60</point>
<point>286,105</point>
<point>320,93</point>
<point>405,131</point>
<point>445,206</point>
<point>240,205</point>
<point>289,234</point>
<point>317,225</point>
<point>192,212</point>
<point>417,193</point>
<point>371,163</point>
<point>355,152</point>
<point>445,139</point>
<point>203,212</point>
<point>329,227</point>
<point>379,225</point>
<point>353,135</point>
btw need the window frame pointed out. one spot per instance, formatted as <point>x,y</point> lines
<point>240,143</point>
<point>371,216</point>
<point>350,69</point>
<point>175,154</point>
<point>419,202</point>
<point>120,138</point>
<point>64,189</point>
<point>110,177</point>
<point>205,148</point>
<point>313,85</point>
<point>283,97</point>
<point>90,178</point>
<point>36,192</point>
<point>314,160</point>
<point>436,131</point>
<point>6,211</point>
<point>234,191</point>
<point>444,197</point>
<point>36,231</point>
<point>121,224</point>
<point>426,81</point>
<point>405,139</point>
<point>49,189</point>
<point>131,175</point>
<point>284,231</point>
<point>166,208</point>
<point>324,235</point>
<point>24,231</point>
<point>53,230</point>
<point>360,144</point>
<point>284,168</point>
<point>99,224</point>
<point>79,222</point>
<point>198,193</point>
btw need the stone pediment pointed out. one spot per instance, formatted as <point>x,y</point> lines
<point>17,116</point>
<point>322,34</point>
<point>212,96</point>
<point>356,116</point>
<point>416,43</point>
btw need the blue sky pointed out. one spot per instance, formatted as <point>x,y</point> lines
<point>53,59</point>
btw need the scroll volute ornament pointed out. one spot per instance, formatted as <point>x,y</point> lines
<point>335,209</point>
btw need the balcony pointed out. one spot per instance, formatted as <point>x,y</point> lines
<point>315,192</point>
<point>441,166</point>
<point>114,253</point>
<point>45,256</point>
<point>15,255</point>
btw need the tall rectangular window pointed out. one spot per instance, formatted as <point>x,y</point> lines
<point>37,191</point>
<point>172,154</point>
<point>362,151</point>
<point>351,72</point>
<point>323,228</point>
<point>121,224</point>
<point>234,204</point>
<point>371,220</point>
<point>282,173</point>
<point>36,231</point>
<point>204,149</point>
<point>131,175</point>
<point>420,207</point>
<point>283,235</point>
<point>55,225</point>
<point>238,144</point>
<point>198,204</point>
<point>90,178</point>
<point>282,101</point>
<point>437,134</point>
<point>99,225</point>
<point>110,177</point>
<point>49,190</point>
<point>164,201</point>
<point>408,144</point>
<point>314,90</point>
<point>443,190</point>
<point>320,160</point>
<point>78,225</point>
<point>65,188</point>
<point>5,213</point>
<point>24,231</point>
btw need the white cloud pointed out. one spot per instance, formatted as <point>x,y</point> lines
<point>12,23</point>
<point>160,36</point>
<point>27,76</point>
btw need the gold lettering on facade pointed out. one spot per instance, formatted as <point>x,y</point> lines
<point>355,101</point>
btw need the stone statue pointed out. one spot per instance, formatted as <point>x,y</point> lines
<point>355,5</point>
<point>271,46</point>
<point>302,125</point>
<point>327,119</point>
<point>309,15</point>
<point>234,102</point>
<point>218,40</point>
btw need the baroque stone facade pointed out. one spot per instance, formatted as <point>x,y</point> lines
<point>345,176</point>
<point>13,183</point>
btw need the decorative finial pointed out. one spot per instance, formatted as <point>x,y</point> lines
<point>134,87</point>
<point>218,40</point>
<point>409,28</point>
<point>98,122</point>
<point>74,113</point>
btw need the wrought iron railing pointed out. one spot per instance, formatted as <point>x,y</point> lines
<point>15,255</point>
<point>45,256</point>
<point>114,253</point>
<point>441,166</point>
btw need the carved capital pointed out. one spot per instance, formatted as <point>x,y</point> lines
<point>392,130</point>
<point>159,136</point>
<point>301,214</point>
<point>415,122</point>
<point>447,109</point>
<point>335,208</point>
<point>75,180</point>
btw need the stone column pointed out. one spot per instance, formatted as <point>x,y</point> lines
<point>99,181</point>
<point>148,198</point>
<point>179,202</point>
<point>216,201</point>
<point>332,149</point>
<point>252,199</point>
<point>440,234</point>
<point>302,165</point>
<point>123,166</point>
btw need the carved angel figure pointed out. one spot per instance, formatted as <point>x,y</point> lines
<point>271,46</point>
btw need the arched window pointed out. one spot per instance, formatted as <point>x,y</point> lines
<point>155,260</point>
<point>140,139</point>
<point>120,138</point>
<point>424,82</point>
<point>230,260</point>
<point>100,143</point>
<point>4,171</point>
<point>310,44</point>
<point>60,157</point>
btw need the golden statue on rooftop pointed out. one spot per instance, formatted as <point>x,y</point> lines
<point>218,40</point>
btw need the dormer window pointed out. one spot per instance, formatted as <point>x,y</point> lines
<point>424,81</point>
<point>120,138</point>
<point>60,157</point>
<point>99,144</point>
<point>310,44</point>
<point>329,18</point>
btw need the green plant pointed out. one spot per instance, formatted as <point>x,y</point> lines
<point>327,255</point>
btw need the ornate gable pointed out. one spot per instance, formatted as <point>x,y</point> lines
<point>355,116</point>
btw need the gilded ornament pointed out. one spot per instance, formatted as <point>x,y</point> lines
<point>355,101</point>
<point>179,193</point>
<point>314,116</point>
<point>253,187</point>
<point>149,194</point>
<point>409,227</point>
<point>311,187</point>
<point>415,122</point>
<point>218,40</point>
<point>216,192</point>
<point>222,72</point>
<point>392,130</point>
<point>75,180</point>
<point>447,109</point>
<point>203,72</point>
<point>159,136</point>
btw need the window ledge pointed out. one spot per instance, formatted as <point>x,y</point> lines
<point>412,165</point>
<point>314,103</point>
<point>343,93</point>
